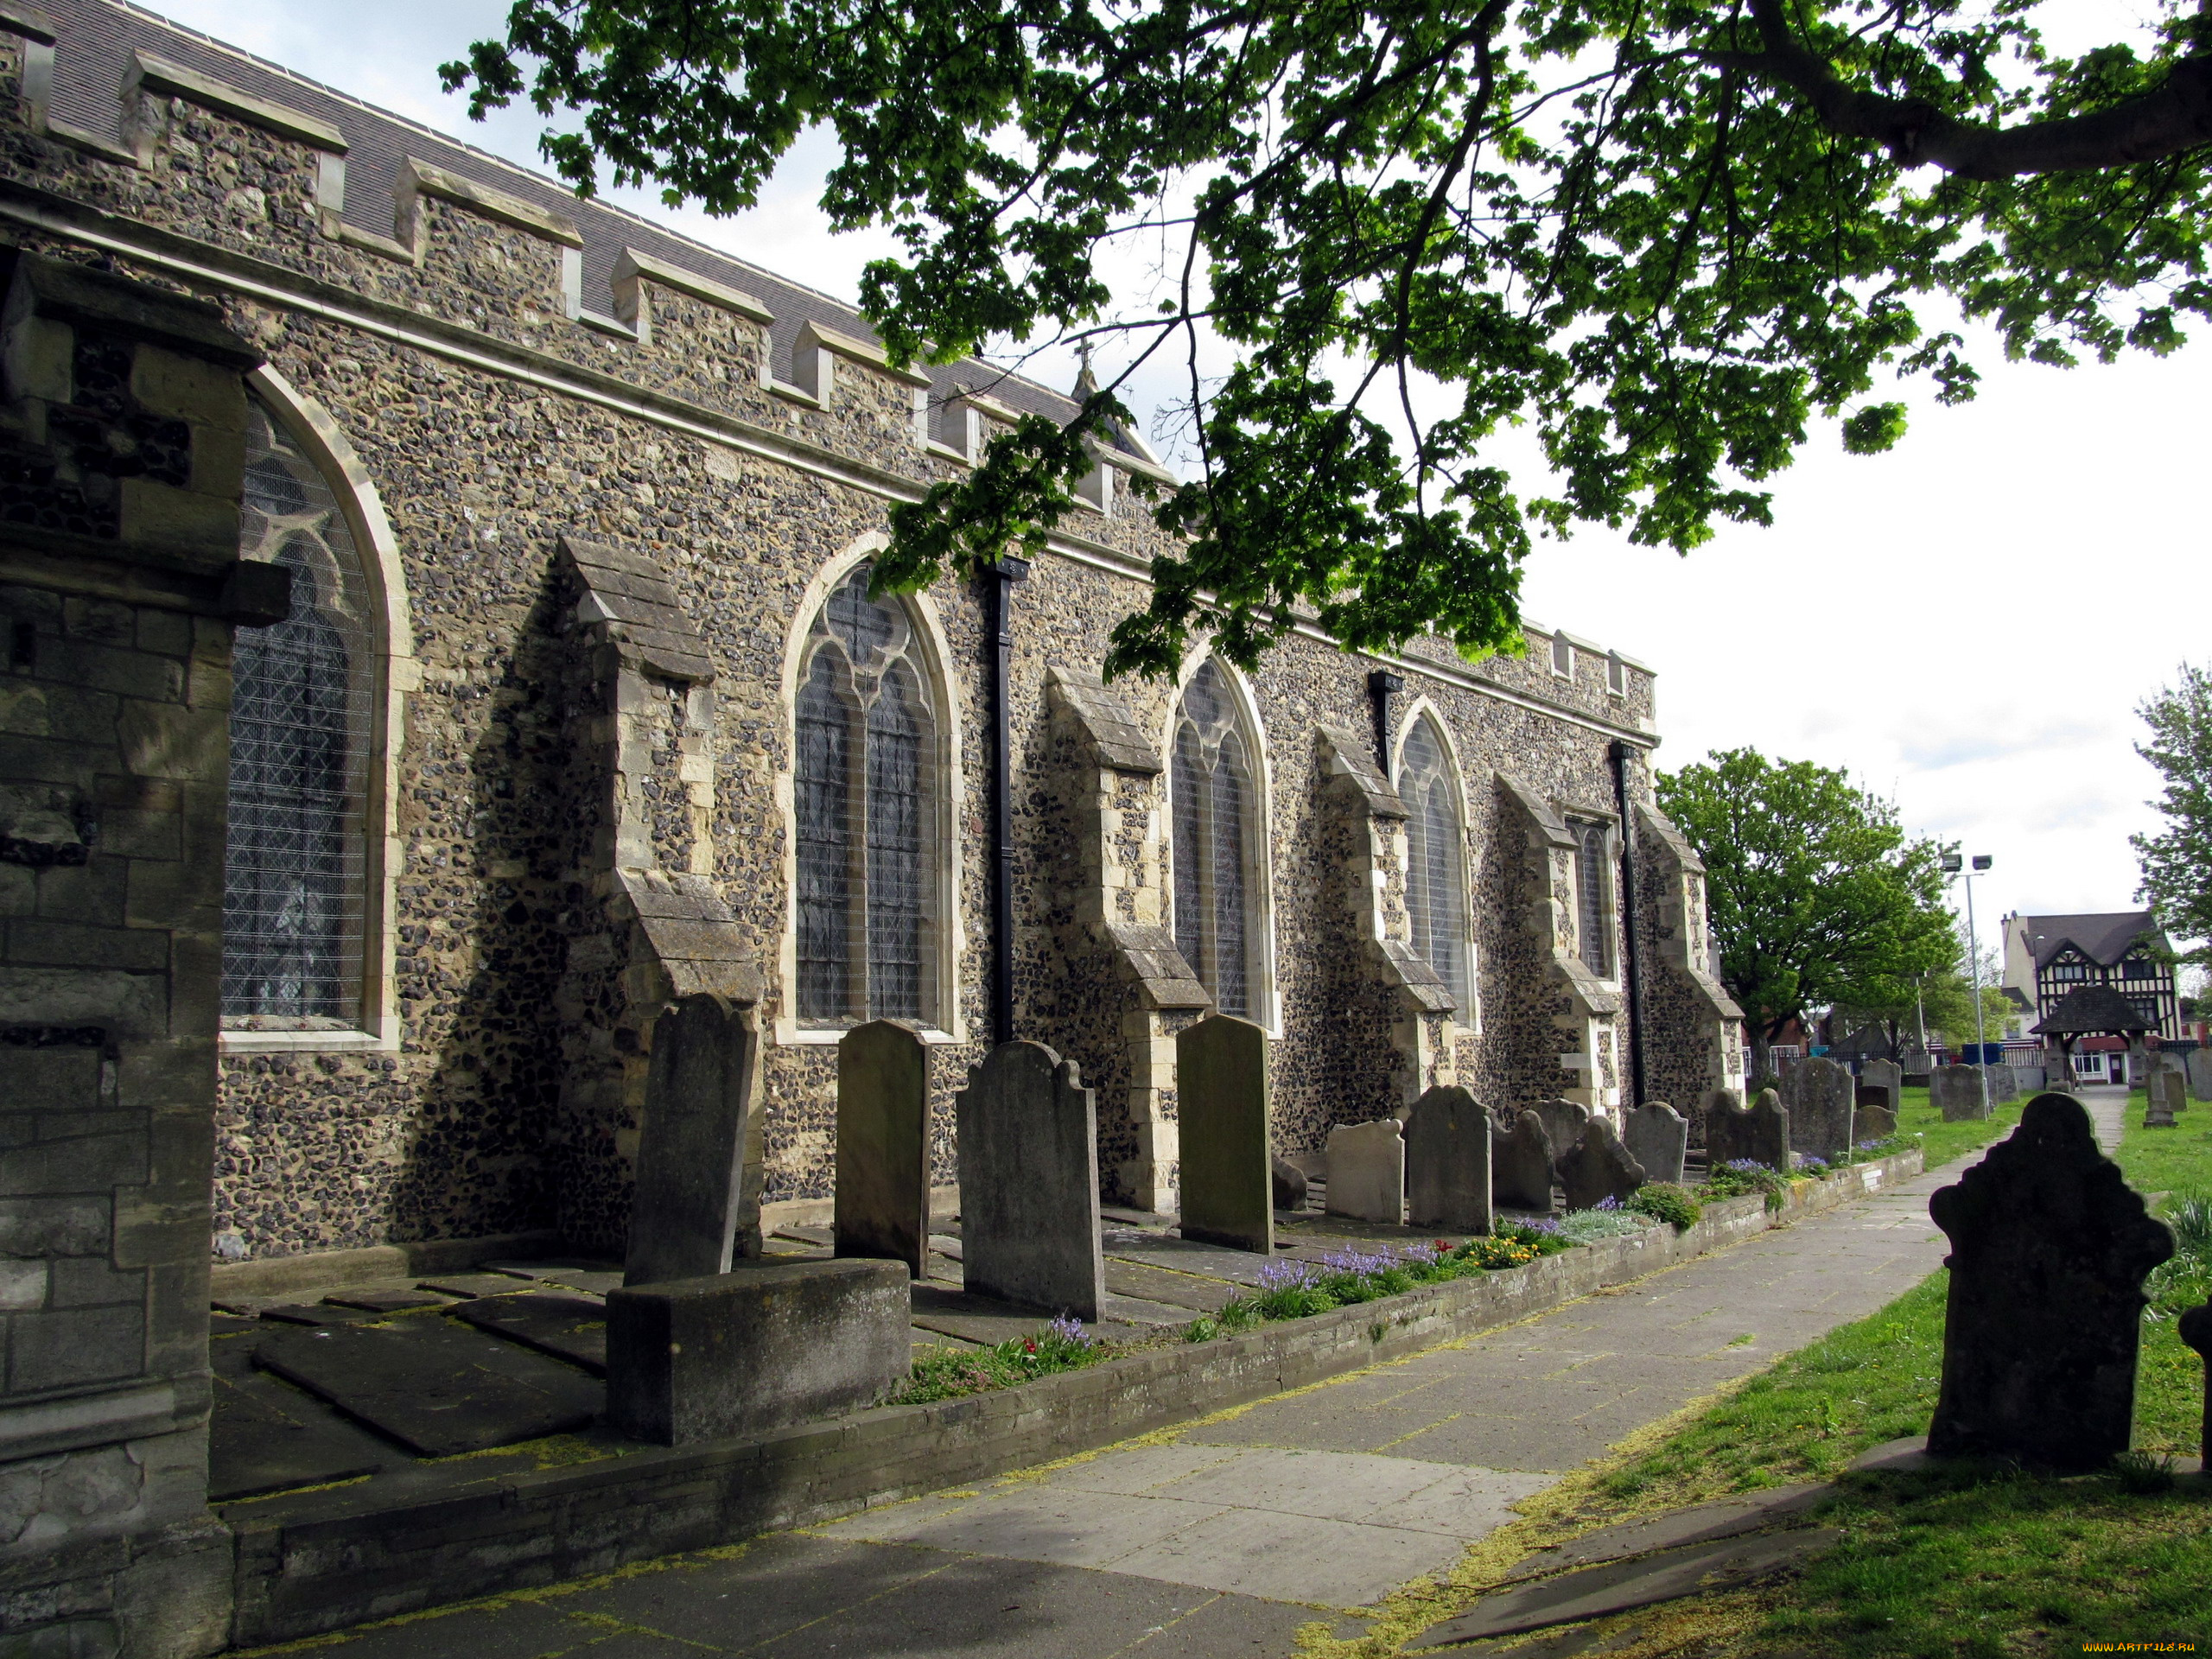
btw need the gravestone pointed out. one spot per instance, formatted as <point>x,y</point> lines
<point>1888,1077</point>
<point>2168,1087</point>
<point>1563,1120</point>
<point>1028,1140</point>
<point>2158,1115</point>
<point>2048,1248</point>
<point>882,1203</point>
<point>2194,1329</point>
<point>1657,1137</point>
<point>1367,1171</point>
<point>2003,1085</point>
<point>1448,1162</point>
<point>1872,1120</point>
<point>1818,1095</point>
<point>1220,1095</point>
<point>1759,1132</point>
<point>1960,1092</point>
<point>2200,1074</point>
<point>1521,1163</point>
<point>683,1211</point>
<point>1290,1184</point>
<point>1597,1168</point>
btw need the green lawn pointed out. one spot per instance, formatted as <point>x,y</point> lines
<point>1988,1563</point>
<point>1939,1141</point>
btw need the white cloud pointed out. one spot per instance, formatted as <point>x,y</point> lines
<point>1966,624</point>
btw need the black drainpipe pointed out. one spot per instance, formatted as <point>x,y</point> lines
<point>1629,961</point>
<point>1382,686</point>
<point>1007,571</point>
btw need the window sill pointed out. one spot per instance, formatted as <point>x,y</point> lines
<point>308,1042</point>
<point>802,1037</point>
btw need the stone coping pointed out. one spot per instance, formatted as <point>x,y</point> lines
<point>313,1561</point>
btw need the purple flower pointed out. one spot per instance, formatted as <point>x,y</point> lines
<point>1745,1165</point>
<point>1068,1328</point>
<point>1869,1145</point>
<point>1609,1202</point>
<point>1288,1274</point>
<point>1361,1262</point>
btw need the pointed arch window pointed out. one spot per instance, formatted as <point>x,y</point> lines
<point>867,794</point>
<point>1593,933</point>
<point>1217,828</point>
<point>1436,861</point>
<point>303,726</point>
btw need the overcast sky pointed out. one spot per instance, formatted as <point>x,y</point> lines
<point>1966,624</point>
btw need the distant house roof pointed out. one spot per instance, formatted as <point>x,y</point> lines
<point>2103,939</point>
<point>96,38</point>
<point>1869,1042</point>
<point>2093,1010</point>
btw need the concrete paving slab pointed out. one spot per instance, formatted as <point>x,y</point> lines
<point>1137,1470</point>
<point>1061,1525</point>
<point>1291,1557</point>
<point>1341,1486</point>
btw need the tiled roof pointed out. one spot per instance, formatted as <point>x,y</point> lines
<point>2104,938</point>
<point>2093,1009</point>
<point>95,39</point>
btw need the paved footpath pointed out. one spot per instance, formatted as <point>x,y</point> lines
<point>1225,1538</point>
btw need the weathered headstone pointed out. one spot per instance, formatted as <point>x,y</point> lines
<point>1221,1093</point>
<point>2048,1248</point>
<point>2158,1115</point>
<point>1521,1163</point>
<point>1818,1095</point>
<point>1960,1092</point>
<point>2200,1074</point>
<point>683,1211</point>
<point>1367,1171</point>
<point>1759,1132</point>
<point>1448,1162</point>
<point>2168,1088</point>
<point>1597,1168</point>
<point>2003,1085</point>
<point>1290,1184</point>
<point>1873,1120</point>
<point>1028,1142</point>
<point>1563,1120</point>
<point>2194,1329</point>
<point>2057,1069</point>
<point>1886,1075</point>
<point>1657,1137</point>
<point>882,1203</point>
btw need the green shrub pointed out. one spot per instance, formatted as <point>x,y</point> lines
<point>1739,1176</point>
<point>1609,1220</point>
<point>1665,1201</point>
<point>948,1373</point>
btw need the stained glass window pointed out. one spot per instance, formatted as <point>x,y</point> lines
<point>1436,882</point>
<point>1214,844</point>
<point>866,793</point>
<point>1590,897</point>
<point>295,862</point>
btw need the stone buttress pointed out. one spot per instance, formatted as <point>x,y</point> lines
<point>1695,1044</point>
<point>1586,1009</point>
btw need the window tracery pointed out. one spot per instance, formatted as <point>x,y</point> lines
<point>1436,880</point>
<point>1215,840</point>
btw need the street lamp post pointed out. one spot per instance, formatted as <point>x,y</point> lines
<point>1952,866</point>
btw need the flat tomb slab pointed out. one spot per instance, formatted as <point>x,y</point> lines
<point>985,1321</point>
<point>1622,1586</point>
<point>438,1388</point>
<point>1150,1284</point>
<point>1186,1255</point>
<point>264,1435</point>
<point>382,1301</point>
<point>476,1284</point>
<point>1131,1310</point>
<point>573,1328</point>
<point>595,1277</point>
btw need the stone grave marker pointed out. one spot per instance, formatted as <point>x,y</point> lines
<point>1820,1097</point>
<point>2048,1248</point>
<point>1872,1120</point>
<point>1521,1163</point>
<point>2158,1115</point>
<point>2194,1328</point>
<point>1221,1097</point>
<point>1290,1184</point>
<point>1657,1137</point>
<point>2200,1074</point>
<point>1960,1092</point>
<point>1886,1075</point>
<point>1028,1142</point>
<point>2003,1085</point>
<point>1367,1171</point>
<point>683,1211</point>
<point>882,1203</point>
<point>1448,1162</point>
<point>2168,1083</point>
<point>1563,1121</point>
<point>1597,1168</point>
<point>1759,1132</point>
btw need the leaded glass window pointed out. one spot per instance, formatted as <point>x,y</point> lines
<point>867,800</point>
<point>1590,897</point>
<point>1215,850</point>
<point>1436,880</point>
<point>303,721</point>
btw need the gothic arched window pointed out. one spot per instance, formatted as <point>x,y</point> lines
<point>1592,929</point>
<point>866,791</point>
<point>1436,861</point>
<point>1216,851</point>
<point>303,724</point>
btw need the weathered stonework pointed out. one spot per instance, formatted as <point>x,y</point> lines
<point>602,479</point>
<point>1695,1041</point>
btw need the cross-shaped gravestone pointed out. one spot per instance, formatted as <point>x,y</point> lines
<point>2048,1248</point>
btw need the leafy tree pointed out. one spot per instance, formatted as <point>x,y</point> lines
<point>1666,239</point>
<point>1815,893</point>
<point>2176,863</point>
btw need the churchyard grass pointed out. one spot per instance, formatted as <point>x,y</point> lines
<point>1941,1142</point>
<point>2166,1161</point>
<point>948,1372</point>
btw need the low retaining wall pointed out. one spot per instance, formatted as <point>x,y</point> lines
<point>319,1561</point>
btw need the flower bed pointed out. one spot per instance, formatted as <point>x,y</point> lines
<point>949,1373</point>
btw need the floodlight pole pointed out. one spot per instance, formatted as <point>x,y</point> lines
<point>1956,865</point>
